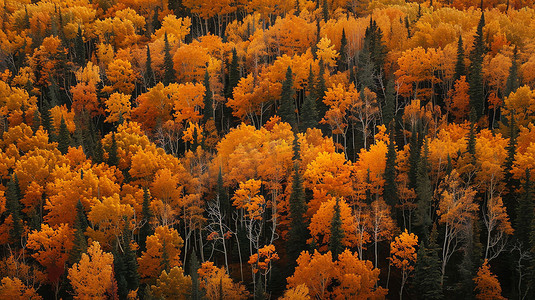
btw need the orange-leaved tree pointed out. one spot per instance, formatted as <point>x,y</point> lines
<point>92,277</point>
<point>403,255</point>
<point>487,284</point>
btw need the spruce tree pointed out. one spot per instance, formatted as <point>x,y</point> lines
<point>287,108</point>
<point>414,158</point>
<point>169,72</point>
<point>222,195</point>
<point>234,74</point>
<point>149,73</point>
<point>389,105</point>
<point>80,47</point>
<point>424,193</point>
<point>390,191</point>
<point>36,121</point>
<point>13,208</point>
<point>471,147</point>
<point>321,88</point>
<point>512,83</point>
<point>298,232</point>
<point>525,212</point>
<point>309,113</point>
<point>155,23</point>
<point>428,270</point>
<point>460,68</point>
<point>208,101</point>
<point>325,11</point>
<point>337,232</point>
<point>64,137</point>
<point>343,58</point>
<point>126,264</point>
<point>196,293</point>
<point>80,242</point>
<point>113,159</point>
<point>146,217</point>
<point>475,77</point>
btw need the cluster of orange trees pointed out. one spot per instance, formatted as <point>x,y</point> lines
<point>242,149</point>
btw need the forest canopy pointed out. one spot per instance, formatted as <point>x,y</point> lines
<point>267,149</point>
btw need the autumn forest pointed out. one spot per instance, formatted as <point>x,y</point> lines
<point>267,149</point>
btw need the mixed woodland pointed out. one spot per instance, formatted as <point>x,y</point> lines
<point>267,149</point>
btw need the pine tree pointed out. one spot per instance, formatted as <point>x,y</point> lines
<point>146,217</point>
<point>64,137</point>
<point>343,58</point>
<point>234,74</point>
<point>390,191</point>
<point>259,293</point>
<point>309,113</point>
<point>325,10</point>
<point>525,212</point>
<point>222,195</point>
<point>424,193</point>
<point>475,77</point>
<point>80,242</point>
<point>337,232</point>
<point>287,108</point>
<point>149,73</point>
<point>471,260</point>
<point>156,24</point>
<point>460,68</point>
<point>321,88</point>
<point>126,266</point>
<point>414,158</point>
<point>113,159</point>
<point>80,47</point>
<point>389,106</point>
<point>471,147</point>
<point>169,74</point>
<point>36,121</point>
<point>298,232</point>
<point>512,83</point>
<point>427,271</point>
<point>196,293</point>
<point>13,208</point>
<point>208,101</point>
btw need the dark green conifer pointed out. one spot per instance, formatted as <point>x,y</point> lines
<point>149,73</point>
<point>475,76</point>
<point>389,105</point>
<point>113,159</point>
<point>414,158</point>
<point>169,71</point>
<point>287,107</point>
<point>208,101</point>
<point>309,113</point>
<point>325,10</point>
<point>196,293</point>
<point>146,217</point>
<point>460,68</point>
<point>525,212</point>
<point>512,83</point>
<point>343,58</point>
<point>79,47</point>
<point>424,193</point>
<point>64,137</point>
<point>428,270</point>
<point>298,232</point>
<point>13,208</point>
<point>234,74</point>
<point>80,242</point>
<point>337,232</point>
<point>390,191</point>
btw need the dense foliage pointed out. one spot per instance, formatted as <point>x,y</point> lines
<point>203,149</point>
